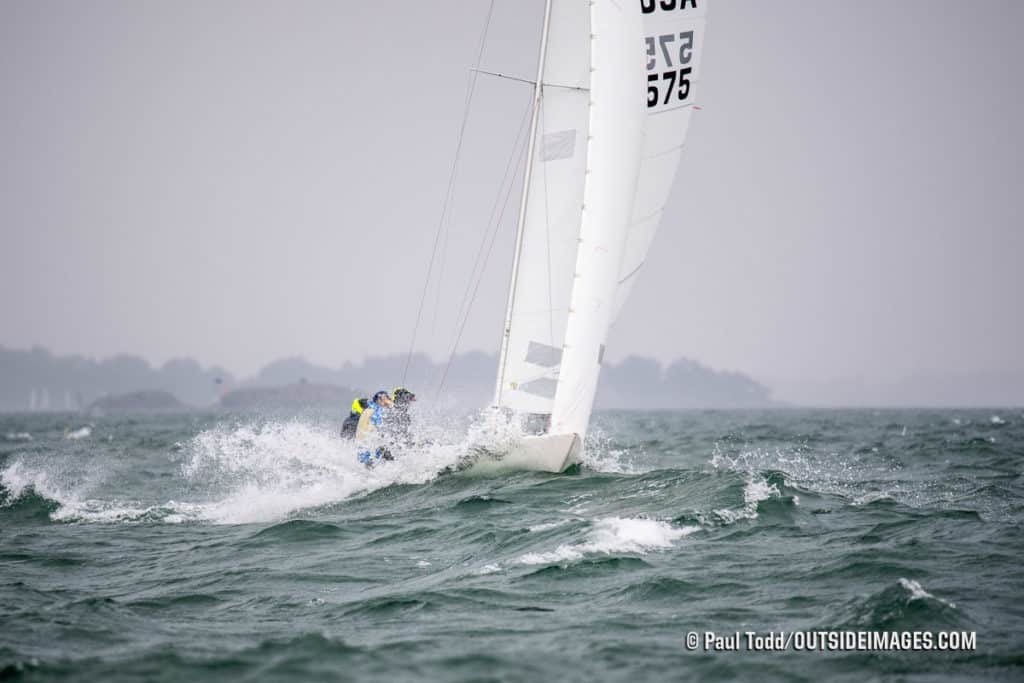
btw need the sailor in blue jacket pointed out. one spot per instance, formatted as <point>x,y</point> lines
<point>371,423</point>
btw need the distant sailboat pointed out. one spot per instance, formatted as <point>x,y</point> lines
<point>612,102</point>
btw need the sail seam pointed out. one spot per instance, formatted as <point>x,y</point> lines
<point>665,152</point>
<point>632,272</point>
<point>647,217</point>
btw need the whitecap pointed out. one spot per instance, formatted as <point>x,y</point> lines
<point>244,473</point>
<point>16,437</point>
<point>756,489</point>
<point>917,592</point>
<point>614,535</point>
<point>80,433</point>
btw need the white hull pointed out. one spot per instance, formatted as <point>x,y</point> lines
<point>546,453</point>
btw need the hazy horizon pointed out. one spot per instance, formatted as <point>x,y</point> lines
<point>243,182</point>
<point>946,390</point>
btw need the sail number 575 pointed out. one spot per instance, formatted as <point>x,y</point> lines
<point>674,51</point>
<point>678,86</point>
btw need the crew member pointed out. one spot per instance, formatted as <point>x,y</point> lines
<point>348,427</point>
<point>371,423</point>
<point>400,420</point>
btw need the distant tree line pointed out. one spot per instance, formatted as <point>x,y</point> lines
<point>37,379</point>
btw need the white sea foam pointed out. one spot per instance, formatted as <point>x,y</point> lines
<point>18,478</point>
<point>80,433</point>
<point>754,491</point>
<point>251,472</point>
<point>602,455</point>
<point>614,535</point>
<point>270,471</point>
<point>854,476</point>
<point>70,489</point>
<point>254,472</point>
<point>917,592</point>
<point>16,437</point>
<point>996,420</point>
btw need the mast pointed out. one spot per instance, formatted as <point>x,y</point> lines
<point>538,94</point>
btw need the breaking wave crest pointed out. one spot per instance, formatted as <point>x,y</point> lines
<point>614,536</point>
<point>253,472</point>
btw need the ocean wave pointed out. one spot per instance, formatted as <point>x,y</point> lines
<point>755,491</point>
<point>614,536</point>
<point>80,433</point>
<point>252,472</point>
<point>904,605</point>
<point>602,454</point>
<point>860,478</point>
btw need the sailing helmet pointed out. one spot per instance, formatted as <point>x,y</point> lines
<point>403,395</point>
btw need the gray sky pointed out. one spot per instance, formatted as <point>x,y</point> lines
<point>241,181</point>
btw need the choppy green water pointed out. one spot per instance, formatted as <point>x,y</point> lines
<point>206,548</point>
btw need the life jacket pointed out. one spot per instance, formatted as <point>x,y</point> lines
<point>351,423</point>
<point>370,420</point>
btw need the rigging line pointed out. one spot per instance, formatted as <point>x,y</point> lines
<point>445,226</point>
<point>448,192</point>
<point>512,168</point>
<point>487,256</point>
<point>533,83</point>
<point>476,289</point>
<point>509,168</point>
<point>446,218</point>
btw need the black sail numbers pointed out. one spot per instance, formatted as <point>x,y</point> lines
<point>675,51</point>
<point>670,50</point>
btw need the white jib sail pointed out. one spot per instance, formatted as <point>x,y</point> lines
<point>617,118</point>
<point>602,166</point>
<point>673,42</point>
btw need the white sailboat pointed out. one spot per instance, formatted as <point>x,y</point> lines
<point>615,86</point>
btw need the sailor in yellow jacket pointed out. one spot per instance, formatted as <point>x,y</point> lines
<point>372,419</point>
<point>348,427</point>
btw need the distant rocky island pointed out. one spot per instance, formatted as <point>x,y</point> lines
<point>292,398</point>
<point>37,380</point>
<point>136,403</point>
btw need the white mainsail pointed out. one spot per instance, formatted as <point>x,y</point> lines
<point>615,86</point>
<point>550,215</point>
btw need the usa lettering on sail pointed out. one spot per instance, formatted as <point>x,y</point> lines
<point>652,6</point>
